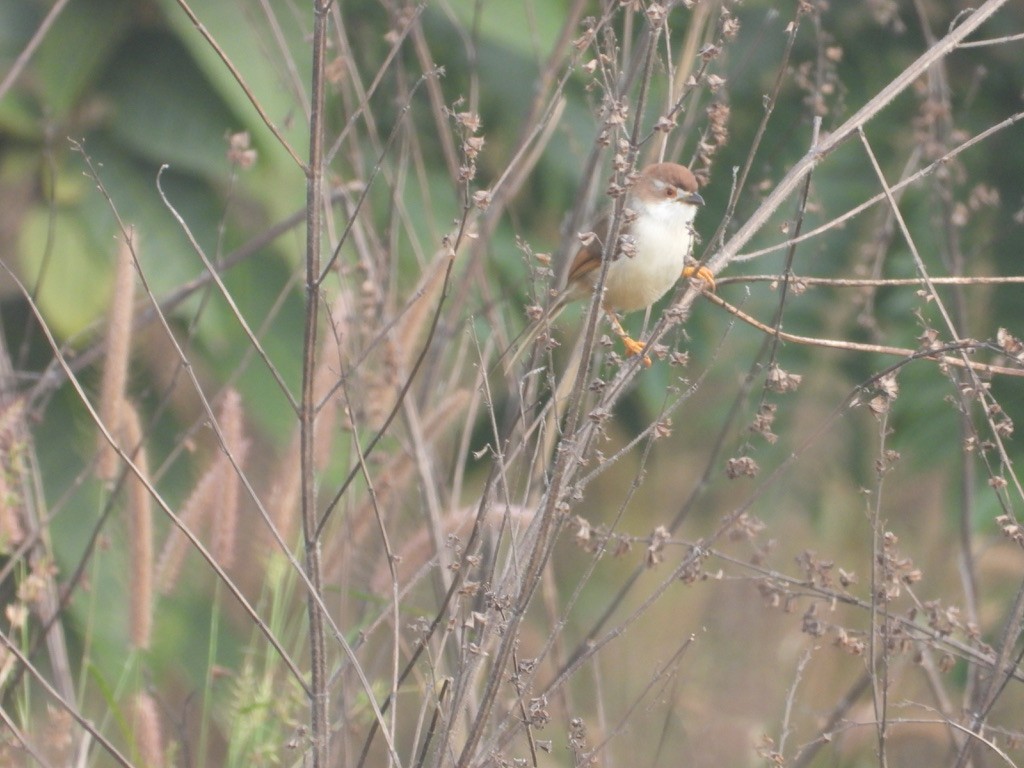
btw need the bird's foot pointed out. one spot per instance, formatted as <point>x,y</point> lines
<point>634,348</point>
<point>701,273</point>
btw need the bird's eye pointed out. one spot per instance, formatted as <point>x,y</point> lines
<point>670,192</point>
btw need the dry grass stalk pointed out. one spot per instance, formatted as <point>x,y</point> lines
<point>140,533</point>
<point>284,494</point>
<point>417,549</point>
<point>11,470</point>
<point>192,514</point>
<point>225,517</point>
<point>58,737</point>
<point>146,730</point>
<point>391,483</point>
<point>10,529</point>
<point>326,420</point>
<point>411,327</point>
<point>115,369</point>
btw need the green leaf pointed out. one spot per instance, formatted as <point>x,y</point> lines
<point>529,29</point>
<point>74,267</point>
<point>164,108</point>
<point>250,44</point>
<point>18,117</point>
<point>74,50</point>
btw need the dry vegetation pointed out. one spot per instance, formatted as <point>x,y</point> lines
<point>793,541</point>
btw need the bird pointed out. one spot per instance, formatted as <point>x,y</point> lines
<point>655,242</point>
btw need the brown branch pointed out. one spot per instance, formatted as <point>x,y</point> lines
<point>854,346</point>
<point>843,282</point>
<point>319,696</point>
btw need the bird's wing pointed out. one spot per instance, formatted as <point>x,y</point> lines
<point>588,257</point>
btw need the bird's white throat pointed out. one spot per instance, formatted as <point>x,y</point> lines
<point>663,236</point>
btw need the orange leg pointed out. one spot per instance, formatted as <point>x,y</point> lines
<point>632,346</point>
<point>701,273</point>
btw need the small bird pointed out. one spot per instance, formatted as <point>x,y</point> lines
<point>655,241</point>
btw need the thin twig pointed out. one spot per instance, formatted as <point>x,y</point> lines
<point>53,377</point>
<point>787,715</point>
<point>854,346</point>
<point>547,525</point>
<point>879,639</point>
<point>850,282</point>
<point>80,391</point>
<point>715,241</point>
<point>13,649</point>
<point>837,221</point>
<point>806,754</point>
<point>900,83</point>
<point>225,293</point>
<point>19,64</point>
<point>235,73</point>
<point>982,393</point>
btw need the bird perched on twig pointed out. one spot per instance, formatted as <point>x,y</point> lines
<point>655,243</point>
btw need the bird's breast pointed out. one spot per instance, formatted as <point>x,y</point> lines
<point>662,247</point>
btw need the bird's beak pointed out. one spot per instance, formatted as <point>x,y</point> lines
<point>693,198</point>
